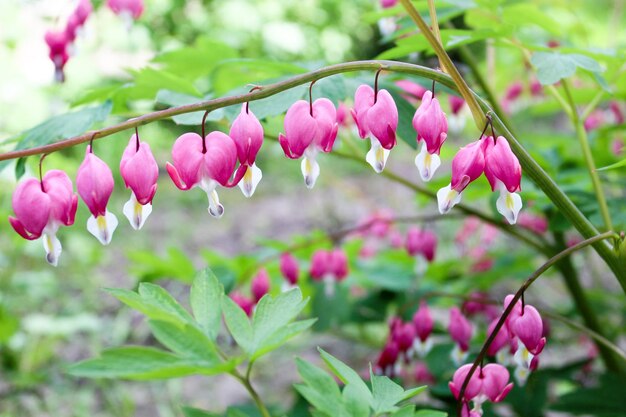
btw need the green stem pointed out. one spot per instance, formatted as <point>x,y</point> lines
<point>446,63</point>
<point>572,282</point>
<point>532,169</point>
<point>592,105</point>
<point>245,381</point>
<point>507,311</point>
<point>581,134</point>
<point>513,231</point>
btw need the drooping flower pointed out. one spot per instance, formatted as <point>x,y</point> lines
<point>421,242</point>
<point>42,207</point>
<point>423,322</point>
<point>467,165</point>
<point>387,360</point>
<point>247,133</point>
<point>404,335</point>
<point>260,285</point>
<point>128,10</point>
<point>205,163</point>
<point>77,19</point>
<point>489,382</point>
<point>58,46</point>
<point>432,129</point>
<point>140,172</point>
<point>329,267</point>
<point>289,268</point>
<point>504,173</point>
<point>309,128</point>
<point>94,182</point>
<point>502,339</point>
<point>376,116</point>
<point>460,330</point>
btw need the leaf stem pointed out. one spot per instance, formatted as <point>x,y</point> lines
<point>507,311</point>
<point>581,134</point>
<point>245,381</point>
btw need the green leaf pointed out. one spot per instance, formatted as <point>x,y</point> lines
<point>354,402</point>
<point>319,388</point>
<point>604,400</point>
<point>186,340</point>
<point>136,302</point>
<point>272,314</point>
<point>233,73</point>
<point>148,81</point>
<point>281,336</point>
<point>348,376</point>
<point>196,412</point>
<point>613,166</point>
<point>237,323</point>
<point>134,362</point>
<point>174,99</point>
<point>206,302</point>
<point>61,127</point>
<point>554,66</point>
<point>150,266</point>
<point>430,413</point>
<point>192,62</point>
<point>157,296</point>
<point>387,394</point>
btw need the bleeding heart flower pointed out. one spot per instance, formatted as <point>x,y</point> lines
<point>140,172</point>
<point>387,359</point>
<point>432,129</point>
<point>528,327</point>
<point>289,268</point>
<point>504,173</point>
<point>245,303</point>
<point>376,116</point>
<point>205,163</point>
<point>490,382</point>
<point>42,207</point>
<point>412,90</point>
<point>467,165</point>
<point>57,44</point>
<point>460,330</point>
<point>421,242</point>
<point>128,10</point>
<point>260,285</point>
<point>423,323</point>
<point>94,182</point>
<point>247,133</point>
<point>309,128</point>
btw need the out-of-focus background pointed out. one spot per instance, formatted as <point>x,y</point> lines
<point>50,317</point>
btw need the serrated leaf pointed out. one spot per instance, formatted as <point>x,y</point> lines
<point>206,302</point>
<point>157,296</point>
<point>185,340</point>
<point>554,66</point>
<point>134,301</point>
<point>347,375</point>
<point>238,324</point>
<point>273,313</point>
<point>281,336</point>
<point>134,362</point>
<point>354,402</point>
<point>319,388</point>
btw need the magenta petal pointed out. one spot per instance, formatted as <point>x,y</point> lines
<point>94,182</point>
<point>502,164</point>
<point>187,157</point>
<point>430,123</point>
<point>32,207</point>
<point>301,129</point>
<point>467,165</point>
<point>382,119</point>
<point>247,133</point>
<point>363,101</point>
<point>140,171</point>
<point>220,157</point>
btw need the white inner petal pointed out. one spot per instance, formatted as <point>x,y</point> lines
<point>250,180</point>
<point>427,163</point>
<point>447,198</point>
<point>136,213</point>
<point>215,208</point>
<point>310,169</point>
<point>53,248</point>
<point>509,205</point>
<point>377,156</point>
<point>102,227</point>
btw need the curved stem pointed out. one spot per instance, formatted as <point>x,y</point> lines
<point>245,381</point>
<point>434,24</point>
<point>518,295</point>
<point>581,134</point>
<point>532,169</point>
<point>513,231</point>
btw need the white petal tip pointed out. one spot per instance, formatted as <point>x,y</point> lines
<point>377,156</point>
<point>53,248</point>
<point>310,171</point>
<point>136,213</point>
<point>103,227</point>
<point>250,180</point>
<point>427,164</point>
<point>509,205</point>
<point>447,198</point>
